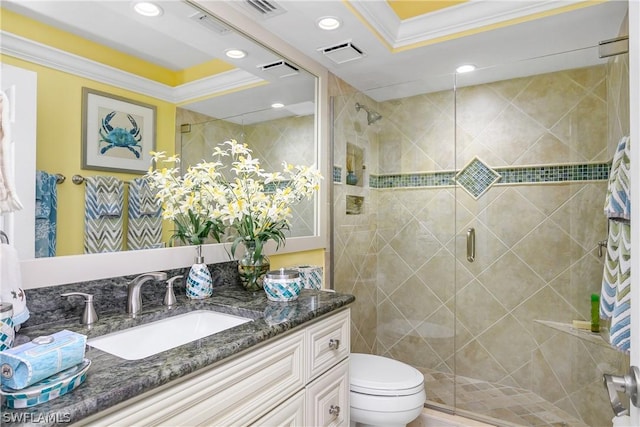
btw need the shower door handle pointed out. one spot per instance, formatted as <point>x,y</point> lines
<point>471,244</point>
<point>627,384</point>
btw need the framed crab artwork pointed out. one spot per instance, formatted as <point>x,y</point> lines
<point>118,134</point>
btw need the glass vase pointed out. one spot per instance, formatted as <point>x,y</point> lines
<point>352,178</point>
<point>252,268</point>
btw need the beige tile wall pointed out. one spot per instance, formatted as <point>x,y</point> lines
<point>289,139</point>
<point>292,140</point>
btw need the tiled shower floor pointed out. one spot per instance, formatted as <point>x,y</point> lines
<point>493,403</point>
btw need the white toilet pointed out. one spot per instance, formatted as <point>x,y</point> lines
<point>384,392</point>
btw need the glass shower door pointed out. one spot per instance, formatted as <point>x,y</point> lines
<point>416,232</point>
<point>393,225</point>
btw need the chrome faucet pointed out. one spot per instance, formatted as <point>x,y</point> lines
<point>134,300</point>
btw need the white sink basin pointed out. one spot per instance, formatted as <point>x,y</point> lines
<point>146,340</point>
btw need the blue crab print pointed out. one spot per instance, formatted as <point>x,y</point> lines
<point>120,137</point>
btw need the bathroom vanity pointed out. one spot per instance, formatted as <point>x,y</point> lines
<point>288,366</point>
<point>297,379</point>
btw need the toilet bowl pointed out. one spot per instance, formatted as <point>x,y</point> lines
<point>384,392</point>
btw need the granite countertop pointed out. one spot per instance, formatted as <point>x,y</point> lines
<point>111,380</point>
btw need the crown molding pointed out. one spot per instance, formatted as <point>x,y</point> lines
<point>464,17</point>
<point>38,53</point>
<point>228,80</point>
<point>380,17</point>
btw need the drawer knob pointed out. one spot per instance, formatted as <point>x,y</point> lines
<point>334,410</point>
<point>334,344</point>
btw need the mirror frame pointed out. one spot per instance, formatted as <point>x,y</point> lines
<point>43,272</point>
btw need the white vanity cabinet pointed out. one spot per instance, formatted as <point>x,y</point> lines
<point>299,379</point>
<point>327,391</point>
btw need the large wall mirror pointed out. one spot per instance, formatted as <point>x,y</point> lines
<point>176,63</point>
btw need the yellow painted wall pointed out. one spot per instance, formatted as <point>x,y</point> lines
<point>59,139</point>
<point>314,257</point>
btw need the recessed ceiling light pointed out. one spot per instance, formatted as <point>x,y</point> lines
<point>465,68</point>
<point>146,8</point>
<point>235,53</point>
<point>328,23</point>
<point>277,105</point>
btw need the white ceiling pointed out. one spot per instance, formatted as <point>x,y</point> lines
<point>392,66</point>
<point>381,71</point>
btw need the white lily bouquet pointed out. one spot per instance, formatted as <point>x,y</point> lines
<point>255,205</point>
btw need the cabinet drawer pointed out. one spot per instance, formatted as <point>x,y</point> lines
<point>289,414</point>
<point>327,400</point>
<point>328,343</point>
<point>235,393</point>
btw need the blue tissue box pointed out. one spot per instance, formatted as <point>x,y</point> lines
<point>40,358</point>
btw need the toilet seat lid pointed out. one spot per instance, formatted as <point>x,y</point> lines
<point>381,376</point>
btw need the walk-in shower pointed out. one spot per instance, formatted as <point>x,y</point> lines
<point>372,116</point>
<point>524,162</point>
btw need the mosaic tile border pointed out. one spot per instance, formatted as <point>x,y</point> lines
<point>510,175</point>
<point>337,174</point>
<point>431,179</point>
<point>561,173</point>
<point>274,185</point>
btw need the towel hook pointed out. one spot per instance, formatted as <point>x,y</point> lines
<point>3,237</point>
<point>601,244</point>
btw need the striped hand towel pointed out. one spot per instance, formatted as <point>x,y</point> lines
<point>617,202</point>
<point>615,298</point>
<point>104,199</point>
<point>46,214</point>
<point>145,220</point>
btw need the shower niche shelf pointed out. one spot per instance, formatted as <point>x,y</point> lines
<point>355,165</point>
<point>592,337</point>
<point>355,205</point>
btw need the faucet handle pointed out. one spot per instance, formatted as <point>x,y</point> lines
<point>170,297</point>
<point>89,315</point>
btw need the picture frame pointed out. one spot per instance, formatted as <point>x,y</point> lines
<point>118,134</point>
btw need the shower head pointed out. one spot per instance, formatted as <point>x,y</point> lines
<point>372,116</point>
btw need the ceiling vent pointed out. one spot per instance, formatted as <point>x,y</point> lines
<point>211,23</point>
<point>280,69</point>
<point>263,8</point>
<point>342,52</point>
